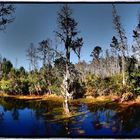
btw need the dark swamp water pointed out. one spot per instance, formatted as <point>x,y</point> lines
<point>20,118</point>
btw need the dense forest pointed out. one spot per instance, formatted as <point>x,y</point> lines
<point>114,71</point>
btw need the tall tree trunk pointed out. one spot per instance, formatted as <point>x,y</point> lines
<point>66,84</point>
<point>79,60</point>
<point>123,69</point>
<point>66,96</point>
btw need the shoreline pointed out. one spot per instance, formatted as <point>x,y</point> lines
<point>102,101</point>
<point>32,97</point>
<point>92,100</point>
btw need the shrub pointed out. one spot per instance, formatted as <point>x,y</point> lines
<point>92,84</point>
<point>127,96</point>
<point>90,91</point>
<point>135,81</point>
<point>24,86</point>
<point>78,89</point>
<point>55,89</point>
<point>96,86</point>
<point>5,86</point>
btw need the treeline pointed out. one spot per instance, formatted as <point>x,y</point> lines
<point>102,76</point>
<point>38,81</point>
<point>113,71</point>
<point>21,82</point>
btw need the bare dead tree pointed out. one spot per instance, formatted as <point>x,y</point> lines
<point>32,57</point>
<point>67,33</point>
<point>136,43</point>
<point>46,52</point>
<point>122,43</point>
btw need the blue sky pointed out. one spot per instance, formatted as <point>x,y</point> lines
<point>36,22</point>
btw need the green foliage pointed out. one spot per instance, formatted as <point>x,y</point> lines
<point>24,85</point>
<point>55,89</point>
<point>96,86</point>
<point>135,81</point>
<point>5,85</point>
<point>78,89</point>
<point>6,67</point>
<point>114,84</point>
<point>92,80</point>
<point>18,81</point>
<point>35,83</point>
<point>91,84</point>
<point>60,65</point>
<point>49,78</point>
<point>133,75</point>
<point>15,84</point>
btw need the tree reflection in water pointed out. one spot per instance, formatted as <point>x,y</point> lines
<point>36,118</point>
<point>96,122</point>
<point>128,119</point>
<point>15,114</point>
<point>1,116</point>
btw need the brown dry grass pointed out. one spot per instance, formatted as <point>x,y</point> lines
<point>34,97</point>
<point>53,97</point>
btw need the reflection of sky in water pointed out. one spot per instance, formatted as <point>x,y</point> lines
<point>30,122</point>
<point>25,125</point>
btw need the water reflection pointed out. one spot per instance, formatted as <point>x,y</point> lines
<point>129,120</point>
<point>15,114</point>
<point>23,118</point>
<point>1,116</point>
<point>96,122</point>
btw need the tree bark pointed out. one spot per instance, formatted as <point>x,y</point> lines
<point>66,84</point>
<point>123,69</point>
<point>79,60</point>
